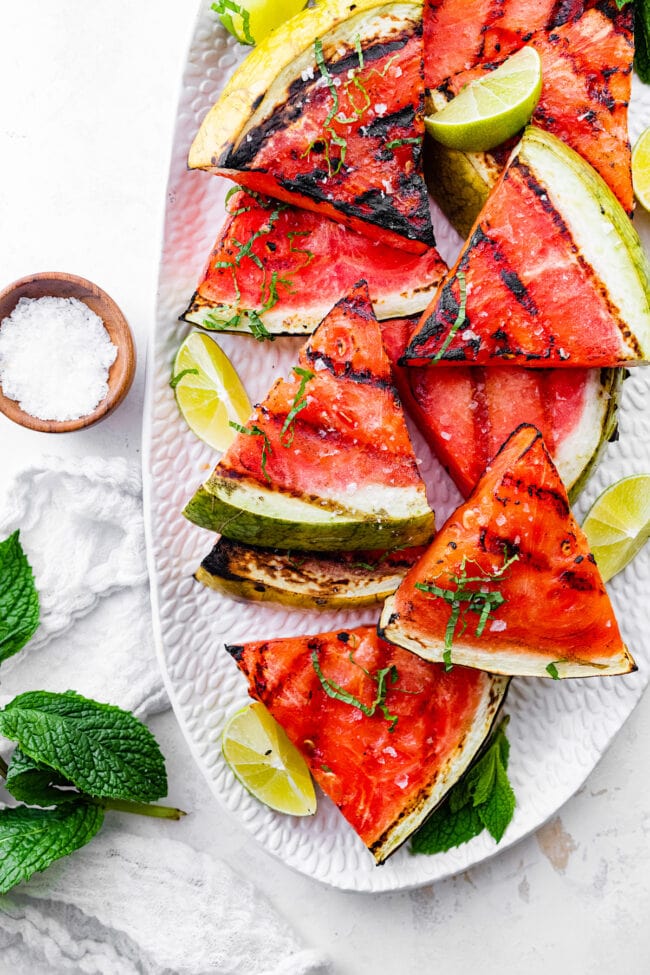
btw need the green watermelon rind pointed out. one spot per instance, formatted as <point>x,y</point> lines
<point>611,384</point>
<point>244,512</point>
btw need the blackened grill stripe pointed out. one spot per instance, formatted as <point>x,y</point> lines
<point>516,286</point>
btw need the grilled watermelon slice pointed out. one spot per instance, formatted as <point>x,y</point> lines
<point>467,412</point>
<point>509,584</point>
<point>553,274</point>
<point>586,74</point>
<point>324,580</point>
<point>327,113</point>
<point>326,462</point>
<point>386,771</point>
<point>278,269</point>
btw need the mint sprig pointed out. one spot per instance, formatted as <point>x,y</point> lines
<point>19,609</point>
<point>79,758</point>
<point>482,799</point>
<point>32,839</point>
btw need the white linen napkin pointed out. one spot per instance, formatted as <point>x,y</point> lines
<point>125,904</point>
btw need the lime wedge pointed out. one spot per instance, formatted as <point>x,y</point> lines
<point>251,20</point>
<point>641,169</point>
<point>493,108</point>
<point>617,525</point>
<point>272,769</point>
<point>208,391</point>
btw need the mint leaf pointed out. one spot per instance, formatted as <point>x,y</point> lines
<point>19,613</point>
<point>102,750</point>
<point>32,839</point>
<point>444,829</point>
<point>481,799</point>
<point>496,812</point>
<point>36,784</point>
<point>642,39</point>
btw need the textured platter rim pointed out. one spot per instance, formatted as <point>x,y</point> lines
<point>190,705</point>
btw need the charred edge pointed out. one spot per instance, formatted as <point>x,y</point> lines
<point>218,562</point>
<point>244,154</point>
<point>442,318</point>
<point>544,495</point>
<point>343,636</point>
<point>374,206</point>
<point>364,377</point>
<point>375,52</point>
<point>516,286</point>
<point>236,651</point>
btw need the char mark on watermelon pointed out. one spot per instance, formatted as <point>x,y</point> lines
<point>339,131</point>
<point>384,733</point>
<point>509,584</point>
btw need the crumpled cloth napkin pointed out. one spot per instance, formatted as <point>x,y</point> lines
<point>127,904</point>
<point>146,906</point>
<point>81,526</point>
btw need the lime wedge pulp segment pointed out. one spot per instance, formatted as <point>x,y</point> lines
<point>492,108</point>
<point>209,393</point>
<point>617,525</point>
<point>264,760</point>
<point>641,169</point>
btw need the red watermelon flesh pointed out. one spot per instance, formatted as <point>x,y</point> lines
<point>586,89</point>
<point>467,412</point>
<point>353,156</point>
<point>459,35</point>
<point>551,608</point>
<point>384,775</point>
<point>290,266</point>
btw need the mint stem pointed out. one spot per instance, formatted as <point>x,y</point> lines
<point>140,808</point>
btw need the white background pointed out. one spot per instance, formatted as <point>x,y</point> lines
<point>88,100</point>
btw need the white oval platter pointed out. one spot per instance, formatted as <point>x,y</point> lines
<point>558,730</point>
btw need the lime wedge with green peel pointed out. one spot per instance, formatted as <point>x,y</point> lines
<point>251,20</point>
<point>618,524</point>
<point>492,108</point>
<point>641,169</point>
<point>264,760</point>
<point>208,391</point>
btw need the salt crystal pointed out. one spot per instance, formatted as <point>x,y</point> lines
<point>55,354</point>
<point>498,626</point>
<point>380,108</point>
<point>445,435</point>
<point>401,781</point>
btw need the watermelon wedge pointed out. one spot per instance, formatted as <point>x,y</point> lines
<point>323,580</point>
<point>509,584</point>
<point>553,274</point>
<point>388,769</point>
<point>467,412</point>
<point>276,269</point>
<point>327,113</point>
<point>326,462</point>
<point>587,74</point>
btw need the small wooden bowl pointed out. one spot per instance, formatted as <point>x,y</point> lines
<point>120,376</point>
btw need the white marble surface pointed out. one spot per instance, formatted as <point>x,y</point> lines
<point>89,96</point>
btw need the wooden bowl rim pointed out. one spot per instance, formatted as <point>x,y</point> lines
<point>122,371</point>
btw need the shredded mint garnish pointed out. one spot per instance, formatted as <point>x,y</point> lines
<point>299,403</point>
<point>381,678</point>
<point>394,143</point>
<point>460,318</point>
<point>481,799</point>
<point>19,608</point>
<point>174,381</point>
<point>464,599</point>
<point>255,431</point>
<point>552,670</point>
<point>226,7</point>
<point>82,758</point>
